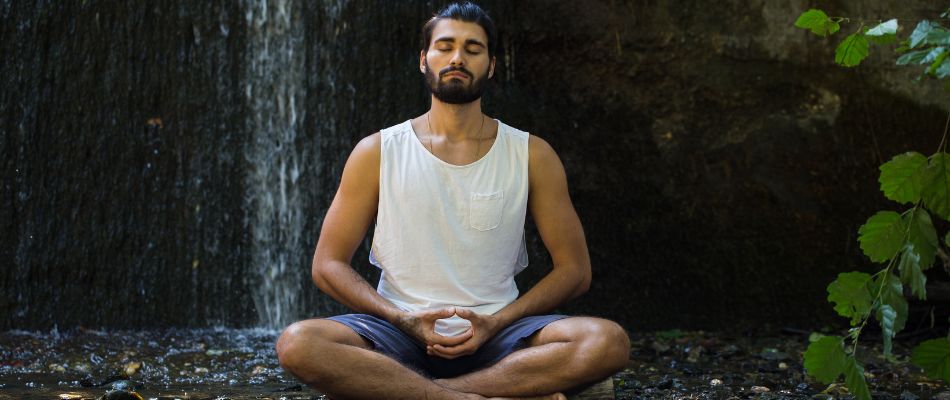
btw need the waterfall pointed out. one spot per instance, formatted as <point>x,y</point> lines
<point>274,200</point>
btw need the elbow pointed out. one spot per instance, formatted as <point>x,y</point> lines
<point>317,273</point>
<point>583,282</point>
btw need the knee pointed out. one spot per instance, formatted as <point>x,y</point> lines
<point>295,343</point>
<point>608,343</point>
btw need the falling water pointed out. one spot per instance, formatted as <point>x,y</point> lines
<point>274,199</point>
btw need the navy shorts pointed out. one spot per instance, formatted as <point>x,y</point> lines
<point>389,340</point>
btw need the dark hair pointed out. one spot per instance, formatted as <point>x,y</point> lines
<point>463,11</point>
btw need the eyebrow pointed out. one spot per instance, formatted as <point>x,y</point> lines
<point>450,39</point>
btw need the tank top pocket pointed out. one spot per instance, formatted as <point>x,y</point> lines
<point>486,210</point>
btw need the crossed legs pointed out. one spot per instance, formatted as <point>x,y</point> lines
<point>564,354</point>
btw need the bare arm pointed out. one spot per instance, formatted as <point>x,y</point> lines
<point>350,214</point>
<point>550,206</point>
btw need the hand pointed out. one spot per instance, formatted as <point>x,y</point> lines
<point>484,326</point>
<point>421,325</point>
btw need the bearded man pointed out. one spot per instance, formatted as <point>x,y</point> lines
<point>449,191</point>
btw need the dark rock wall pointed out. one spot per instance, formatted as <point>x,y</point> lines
<point>720,164</point>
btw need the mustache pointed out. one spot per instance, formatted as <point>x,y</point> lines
<point>455,69</point>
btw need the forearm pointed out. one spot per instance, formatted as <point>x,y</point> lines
<point>557,287</point>
<point>340,281</point>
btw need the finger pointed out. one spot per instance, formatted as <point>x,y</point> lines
<point>455,351</point>
<point>433,352</point>
<point>445,356</point>
<point>464,312</point>
<point>436,338</point>
<point>438,313</point>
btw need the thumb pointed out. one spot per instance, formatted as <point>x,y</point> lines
<point>441,312</point>
<point>464,313</point>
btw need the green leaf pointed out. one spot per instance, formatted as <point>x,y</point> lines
<point>893,310</point>
<point>892,295</point>
<point>937,36</point>
<point>922,235</point>
<point>901,177</point>
<point>934,357</point>
<point>854,379</point>
<point>936,192</point>
<point>825,359</point>
<point>883,33</point>
<point>882,236</point>
<point>913,57</point>
<point>886,316</point>
<point>920,33</point>
<point>935,54</point>
<point>850,295</point>
<point>852,50</point>
<point>943,71</point>
<point>911,274</point>
<point>932,69</point>
<point>817,22</point>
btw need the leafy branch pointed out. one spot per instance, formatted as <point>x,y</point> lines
<point>905,241</point>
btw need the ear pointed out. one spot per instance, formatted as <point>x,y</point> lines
<point>491,68</point>
<point>422,61</point>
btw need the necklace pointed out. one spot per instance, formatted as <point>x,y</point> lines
<point>478,139</point>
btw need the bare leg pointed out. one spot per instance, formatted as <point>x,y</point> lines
<point>335,360</point>
<point>565,354</point>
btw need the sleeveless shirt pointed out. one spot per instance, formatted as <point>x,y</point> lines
<point>450,235</point>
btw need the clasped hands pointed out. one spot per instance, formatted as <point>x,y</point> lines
<point>421,325</point>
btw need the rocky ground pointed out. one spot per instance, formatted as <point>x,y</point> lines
<point>240,364</point>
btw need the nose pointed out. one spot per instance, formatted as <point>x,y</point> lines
<point>457,58</point>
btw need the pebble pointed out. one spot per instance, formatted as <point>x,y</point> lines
<point>82,367</point>
<point>120,395</point>
<point>57,368</point>
<point>906,395</point>
<point>660,348</point>
<point>782,366</point>
<point>773,354</point>
<point>715,382</point>
<point>760,389</point>
<point>694,354</point>
<point>201,370</point>
<point>132,367</point>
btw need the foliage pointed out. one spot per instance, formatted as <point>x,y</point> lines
<point>934,357</point>
<point>906,242</point>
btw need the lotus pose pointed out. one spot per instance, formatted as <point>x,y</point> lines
<point>449,191</point>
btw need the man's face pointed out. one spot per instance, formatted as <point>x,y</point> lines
<point>457,65</point>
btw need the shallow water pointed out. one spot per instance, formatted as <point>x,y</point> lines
<point>166,364</point>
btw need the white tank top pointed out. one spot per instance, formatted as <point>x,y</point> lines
<point>450,235</point>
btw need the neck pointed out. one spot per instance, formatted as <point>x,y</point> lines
<point>455,121</point>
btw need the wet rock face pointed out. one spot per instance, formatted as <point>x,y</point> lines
<point>721,166</point>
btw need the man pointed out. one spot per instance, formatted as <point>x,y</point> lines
<point>449,191</point>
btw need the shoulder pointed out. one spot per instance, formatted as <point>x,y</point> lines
<point>368,146</point>
<point>366,154</point>
<point>540,153</point>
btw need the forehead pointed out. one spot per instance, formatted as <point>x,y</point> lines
<point>459,31</point>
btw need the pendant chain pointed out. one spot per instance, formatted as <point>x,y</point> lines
<point>478,140</point>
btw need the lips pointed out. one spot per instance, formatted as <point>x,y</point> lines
<point>455,74</point>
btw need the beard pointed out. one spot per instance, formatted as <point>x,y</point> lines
<point>454,91</point>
